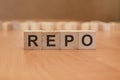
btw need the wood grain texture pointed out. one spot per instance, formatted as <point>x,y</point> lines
<point>101,64</point>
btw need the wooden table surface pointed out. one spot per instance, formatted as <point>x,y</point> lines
<point>100,64</point>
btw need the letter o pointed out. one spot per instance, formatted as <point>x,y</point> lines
<point>91,40</point>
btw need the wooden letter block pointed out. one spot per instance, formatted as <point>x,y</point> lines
<point>87,39</point>
<point>62,39</point>
<point>69,39</point>
<point>47,26</point>
<point>32,39</point>
<point>50,40</point>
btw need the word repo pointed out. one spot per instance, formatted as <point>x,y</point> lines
<point>68,39</point>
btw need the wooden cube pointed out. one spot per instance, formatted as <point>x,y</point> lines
<point>8,25</point>
<point>71,26</point>
<point>60,25</point>
<point>33,25</point>
<point>32,39</point>
<point>69,39</point>
<point>85,26</point>
<point>50,40</point>
<point>25,26</point>
<point>87,39</point>
<point>47,26</point>
<point>94,25</point>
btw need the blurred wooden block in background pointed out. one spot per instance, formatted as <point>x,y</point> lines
<point>25,25</point>
<point>87,39</point>
<point>85,26</point>
<point>60,25</point>
<point>71,26</point>
<point>47,26</point>
<point>33,25</point>
<point>94,25</point>
<point>69,39</point>
<point>32,39</point>
<point>50,40</point>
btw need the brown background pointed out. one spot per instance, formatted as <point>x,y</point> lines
<point>107,10</point>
